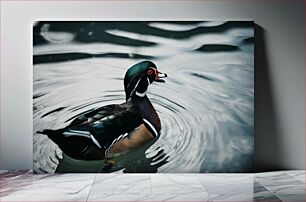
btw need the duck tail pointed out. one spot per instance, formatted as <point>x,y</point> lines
<point>51,132</point>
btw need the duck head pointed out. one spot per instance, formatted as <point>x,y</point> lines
<point>139,77</point>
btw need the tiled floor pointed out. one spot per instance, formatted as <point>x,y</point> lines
<point>273,186</point>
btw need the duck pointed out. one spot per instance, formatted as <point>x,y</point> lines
<point>112,130</point>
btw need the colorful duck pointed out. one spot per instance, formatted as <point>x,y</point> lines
<point>115,129</point>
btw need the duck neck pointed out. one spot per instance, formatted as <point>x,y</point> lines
<point>147,111</point>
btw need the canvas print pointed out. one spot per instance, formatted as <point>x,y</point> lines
<point>143,96</point>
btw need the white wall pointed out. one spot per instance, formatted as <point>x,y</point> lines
<point>279,67</point>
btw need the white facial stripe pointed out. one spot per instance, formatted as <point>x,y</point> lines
<point>144,93</point>
<point>151,126</point>
<point>135,87</point>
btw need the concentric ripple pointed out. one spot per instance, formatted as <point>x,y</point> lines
<point>206,106</point>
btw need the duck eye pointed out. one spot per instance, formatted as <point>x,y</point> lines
<point>150,72</point>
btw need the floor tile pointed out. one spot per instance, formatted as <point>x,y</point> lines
<point>180,197</point>
<point>232,198</point>
<point>15,180</point>
<point>278,174</point>
<point>281,183</point>
<point>176,184</point>
<point>114,184</point>
<point>149,198</point>
<point>298,175</point>
<point>14,173</point>
<point>236,184</point>
<point>43,198</point>
<point>265,198</point>
<point>291,197</point>
<point>58,184</point>
<point>270,173</point>
<point>287,186</point>
<point>260,189</point>
<point>245,198</point>
<point>262,194</point>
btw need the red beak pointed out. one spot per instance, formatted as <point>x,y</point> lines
<point>159,76</point>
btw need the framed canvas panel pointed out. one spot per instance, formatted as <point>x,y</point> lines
<point>143,96</point>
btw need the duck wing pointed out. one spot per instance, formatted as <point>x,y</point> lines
<point>105,124</point>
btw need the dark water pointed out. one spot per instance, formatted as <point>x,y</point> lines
<point>206,106</point>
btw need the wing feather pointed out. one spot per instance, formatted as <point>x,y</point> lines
<point>105,124</point>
